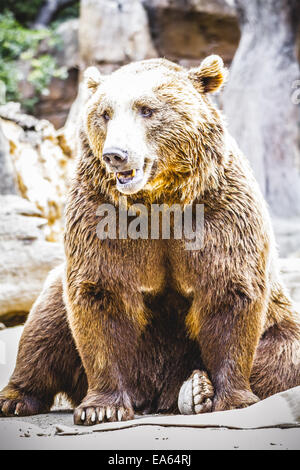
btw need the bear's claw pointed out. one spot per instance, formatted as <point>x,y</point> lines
<point>25,406</point>
<point>88,416</point>
<point>196,394</point>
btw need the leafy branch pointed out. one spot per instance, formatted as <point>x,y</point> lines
<point>19,44</point>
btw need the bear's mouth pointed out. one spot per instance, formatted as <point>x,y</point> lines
<point>125,177</point>
<point>127,180</point>
<point>132,181</point>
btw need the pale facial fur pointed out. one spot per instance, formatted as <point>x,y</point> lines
<point>132,114</point>
<point>126,127</point>
<point>120,104</point>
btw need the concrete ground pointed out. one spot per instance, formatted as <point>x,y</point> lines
<point>267,425</point>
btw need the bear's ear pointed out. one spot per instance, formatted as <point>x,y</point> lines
<point>210,75</point>
<point>92,78</point>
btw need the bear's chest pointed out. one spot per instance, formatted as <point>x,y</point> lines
<point>168,264</point>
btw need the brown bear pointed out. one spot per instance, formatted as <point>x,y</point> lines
<point>127,321</point>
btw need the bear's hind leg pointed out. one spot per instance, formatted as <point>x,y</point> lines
<point>47,361</point>
<point>276,364</point>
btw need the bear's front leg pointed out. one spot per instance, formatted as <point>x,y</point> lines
<point>228,332</point>
<point>106,328</point>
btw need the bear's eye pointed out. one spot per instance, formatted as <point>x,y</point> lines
<point>106,116</point>
<point>146,112</point>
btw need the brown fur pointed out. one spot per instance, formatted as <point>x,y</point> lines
<point>129,320</point>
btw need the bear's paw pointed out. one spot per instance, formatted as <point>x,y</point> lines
<point>196,394</point>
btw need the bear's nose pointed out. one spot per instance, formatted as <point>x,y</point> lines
<point>115,157</point>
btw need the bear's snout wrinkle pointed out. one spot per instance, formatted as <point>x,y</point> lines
<point>115,157</point>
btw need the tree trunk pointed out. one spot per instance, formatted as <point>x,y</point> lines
<point>48,11</point>
<point>258,99</point>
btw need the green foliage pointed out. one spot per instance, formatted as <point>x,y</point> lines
<point>24,11</point>
<point>19,44</point>
<point>70,11</point>
<point>43,69</point>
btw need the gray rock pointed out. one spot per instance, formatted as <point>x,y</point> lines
<point>26,258</point>
<point>290,273</point>
<point>215,7</point>
<point>258,102</point>
<point>68,55</point>
<point>42,167</point>
<point>112,31</point>
<point>287,232</point>
<point>7,175</point>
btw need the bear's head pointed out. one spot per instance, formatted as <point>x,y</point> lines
<point>150,129</point>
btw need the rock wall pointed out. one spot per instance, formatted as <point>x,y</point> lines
<point>40,166</point>
<point>8,183</point>
<point>114,32</point>
<point>56,105</point>
<point>26,258</point>
<point>257,99</point>
<point>34,175</point>
<point>110,33</point>
<point>186,31</point>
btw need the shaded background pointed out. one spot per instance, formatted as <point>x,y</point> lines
<point>44,47</point>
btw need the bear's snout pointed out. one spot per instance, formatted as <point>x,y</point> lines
<point>127,168</point>
<point>115,158</point>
